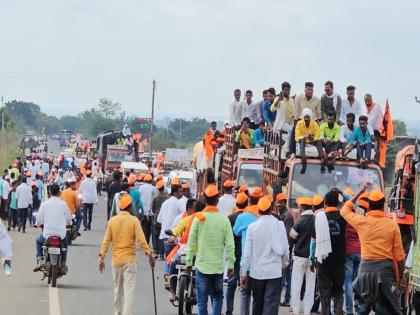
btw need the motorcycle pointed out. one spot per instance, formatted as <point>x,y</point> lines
<point>71,230</point>
<point>186,295</point>
<point>52,267</point>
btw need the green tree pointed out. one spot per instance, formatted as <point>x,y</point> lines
<point>108,108</point>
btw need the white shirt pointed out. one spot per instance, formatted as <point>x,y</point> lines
<point>167,215</point>
<point>226,204</point>
<point>147,192</point>
<point>266,249</point>
<point>183,204</point>
<point>243,110</point>
<point>357,109</point>
<point>232,113</point>
<point>23,196</point>
<point>6,189</point>
<point>375,117</point>
<point>88,191</point>
<point>345,132</point>
<point>54,214</point>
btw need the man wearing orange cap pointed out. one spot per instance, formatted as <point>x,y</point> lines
<point>89,197</point>
<point>232,283</point>
<point>124,232</point>
<point>157,202</point>
<point>226,203</point>
<point>382,264</point>
<point>301,238</point>
<point>266,254</point>
<point>147,191</point>
<point>250,215</point>
<point>209,237</point>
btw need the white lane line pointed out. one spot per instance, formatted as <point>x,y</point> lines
<point>54,301</point>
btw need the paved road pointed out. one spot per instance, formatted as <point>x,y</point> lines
<point>83,290</point>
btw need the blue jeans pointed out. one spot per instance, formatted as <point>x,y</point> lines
<point>232,284</point>
<point>167,247</point>
<point>365,148</point>
<point>79,219</point>
<point>40,240</point>
<point>351,268</point>
<point>209,284</point>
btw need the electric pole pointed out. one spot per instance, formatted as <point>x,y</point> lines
<point>180,133</point>
<point>417,100</point>
<point>151,123</point>
<point>2,124</point>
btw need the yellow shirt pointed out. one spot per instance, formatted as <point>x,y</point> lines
<point>182,226</point>
<point>123,231</point>
<point>70,197</point>
<point>302,131</point>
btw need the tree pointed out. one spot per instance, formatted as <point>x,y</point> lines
<point>108,108</point>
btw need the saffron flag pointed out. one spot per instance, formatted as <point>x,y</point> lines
<point>387,134</point>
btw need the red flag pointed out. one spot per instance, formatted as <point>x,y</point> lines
<point>387,134</point>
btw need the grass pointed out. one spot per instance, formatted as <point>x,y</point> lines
<point>11,149</point>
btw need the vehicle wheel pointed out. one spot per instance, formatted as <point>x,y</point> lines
<point>49,275</point>
<point>182,293</point>
<point>190,297</point>
<point>54,275</point>
<point>69,238</point>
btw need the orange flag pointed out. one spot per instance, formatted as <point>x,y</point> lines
<point>387,134</point>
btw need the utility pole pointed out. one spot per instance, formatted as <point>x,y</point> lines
<point>2,124</point>
<point>151,123</point>
<point>417,100</point>
<point>180,133</point>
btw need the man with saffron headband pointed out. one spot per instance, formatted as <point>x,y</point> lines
<point>245,136</point>
<point>227,202</point>
<point>382,253</point>
<point>124,232</point>
<point>210,235</point>
<point>266,249</point>
<point>250,215</point>
<point>241,203</point>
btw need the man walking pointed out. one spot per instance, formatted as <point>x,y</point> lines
<point>157,202</point>
<point>209,237</point>
<point>147,192</point>
<point>266,249</point>
<point>124,232</point>
<point>89,197</point>
<point>227,202</point>
<point>24,201</point>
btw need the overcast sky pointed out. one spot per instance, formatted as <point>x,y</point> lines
<point>65,55</point>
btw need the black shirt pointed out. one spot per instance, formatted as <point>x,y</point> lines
<point>238,245</point>
<point>114,188</point>
<point>303,230</point>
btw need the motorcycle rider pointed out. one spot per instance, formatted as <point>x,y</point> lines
<point>71,198</point>
<point>55,215</point>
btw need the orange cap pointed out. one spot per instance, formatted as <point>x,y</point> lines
<point>175,181</point>
<point>241,198</point>
<point>264,203</point>
<point>307,201</point>
<point>185,186</point>
<point>125,202</point>
<point>243,188</point>
<point>349,191</point>
<point>228,183</point>
<point>148,178</point>
<point>211,191</point>
<point>317,200</point>
<point>376,195</point>
<point>159,184</point>
<point>88,172</point>
<point>281,196</point>
<point>256,192</point>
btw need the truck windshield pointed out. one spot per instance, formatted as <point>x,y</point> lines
<point>314,182</point>
<point>115,157</point>
<point>250,175</point>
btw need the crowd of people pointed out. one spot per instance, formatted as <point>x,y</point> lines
<point>333,125</point>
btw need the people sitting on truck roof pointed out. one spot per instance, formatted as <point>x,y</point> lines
<point>259,135</point>
<point>268,115</point>
<point>244,136</point>
<point>330,102</point>
<point>330,136</point>
<point>345,133</point>
<point>361,138</point>
<point>307,132</point>
<point>308,100</point>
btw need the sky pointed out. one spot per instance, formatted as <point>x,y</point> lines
<point>66,55</point>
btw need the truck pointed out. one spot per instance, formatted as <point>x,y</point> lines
<point>244,166</point>
<point>64,137</point>
<point>284,174</point>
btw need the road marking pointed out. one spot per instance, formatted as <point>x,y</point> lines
<point>54,301</point>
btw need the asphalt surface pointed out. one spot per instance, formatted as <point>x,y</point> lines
<point>84,290</point>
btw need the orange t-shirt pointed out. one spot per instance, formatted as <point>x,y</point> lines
<point>379,236</point>
<point>70,197</point>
